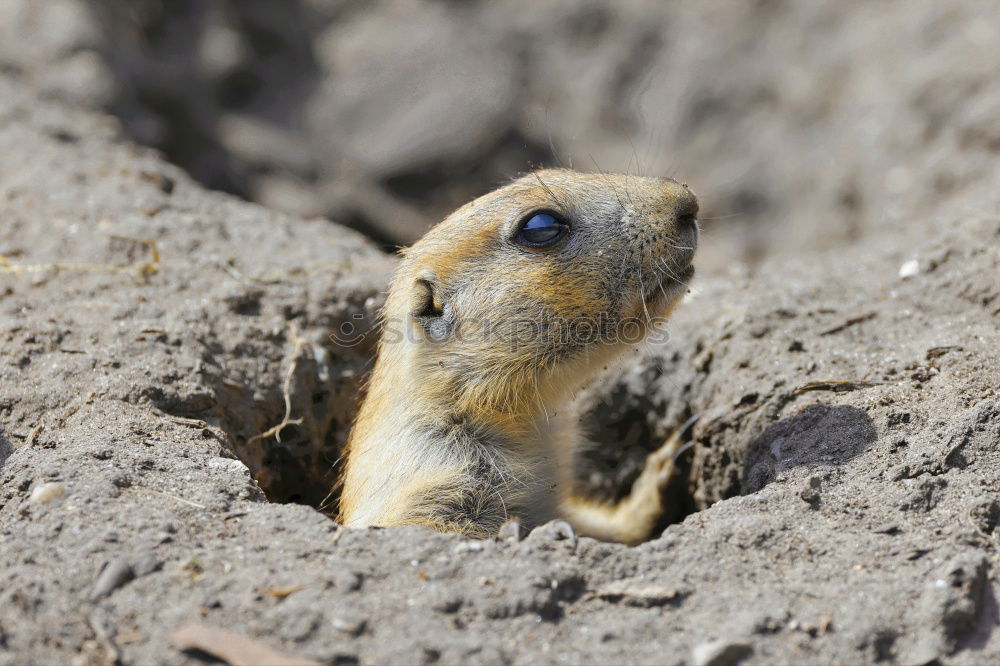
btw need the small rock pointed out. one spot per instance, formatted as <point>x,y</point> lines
<point>145,564</point>
<point>349,581</point>
<point>120,571</point>
<point>810,492</point>
<point>449,605</point>
<point>511,531</point>
<point>633,592</point>
<point>772,623</point>
<point>556,530</point>
<point>468,547</point>
<point>353,626</point>
<point>886,528</point>
<point>720,653</point>
<point>909,269</point>
<point>47,492</point>
<point>115,574</point>
<point>301,626</point>
<point>985,515</point>
<point>163,182</point>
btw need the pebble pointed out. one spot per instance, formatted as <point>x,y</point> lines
<point>909,269</point>
<point>886,528</point>
<point>810,492</point>
<point>115,574</point>
<point>120,571</point>
<point>556,530</point>
<point>985,515</point>
<point>145,564</point>
<point>720,653</point>
<point>468,547</point>
<point>349,581</point>
<point>47,492</point>
<point>511,531</point>
<point>353,626</point>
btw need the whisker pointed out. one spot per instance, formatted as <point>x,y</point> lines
<point>721,217</point>
<point>672,276</point>
<point>642,295</point>
<point>635,154</point>
<point>548,134</point>
<point>551,193</point>
<point>605,176</point>
<point>628,193</point>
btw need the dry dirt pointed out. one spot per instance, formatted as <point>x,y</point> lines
<point>847,457</point>
<point>172,405</point>
<point>802,124</point>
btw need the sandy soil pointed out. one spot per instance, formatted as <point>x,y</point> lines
<point>844,481</point>
<point>802,125</point>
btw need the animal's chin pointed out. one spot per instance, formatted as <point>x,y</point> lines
<point>661,296</point>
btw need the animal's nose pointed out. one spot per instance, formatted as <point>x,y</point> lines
<point>686,211</point>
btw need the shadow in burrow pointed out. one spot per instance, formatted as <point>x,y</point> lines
<point>295,451</point>
<point>622,424</point>
<point>6,449</point>
<point>725,461</point>
<point>818,435</point>
<point>731,458</point>
<point>325,387</point>
<point>320,390</point>
<point>289,424</point>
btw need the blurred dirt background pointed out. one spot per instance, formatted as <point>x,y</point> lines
<point>841,504</point>
<point>802,124</point>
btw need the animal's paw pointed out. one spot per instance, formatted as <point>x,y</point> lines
<point>661,463</point>
<point>556,530</point>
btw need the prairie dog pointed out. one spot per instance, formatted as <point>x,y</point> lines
<point>494,319</point>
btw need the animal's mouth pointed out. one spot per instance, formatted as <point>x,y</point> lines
<point>669,284</point>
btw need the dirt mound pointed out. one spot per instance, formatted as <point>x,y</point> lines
<point>802,125</point>
<point>155,334</point>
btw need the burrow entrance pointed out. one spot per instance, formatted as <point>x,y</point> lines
<point>292,428</point>
<point>292,434</point>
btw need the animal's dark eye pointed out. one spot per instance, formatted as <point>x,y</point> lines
<point>540,230</point>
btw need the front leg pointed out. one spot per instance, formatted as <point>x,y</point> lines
<point>632,519</point>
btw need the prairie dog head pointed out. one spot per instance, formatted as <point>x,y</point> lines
<point>518,297</point>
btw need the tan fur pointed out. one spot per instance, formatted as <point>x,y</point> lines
<point>462,431</point>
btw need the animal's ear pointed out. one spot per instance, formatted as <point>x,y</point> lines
<point>424,300</point>
<point>429,309</point>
